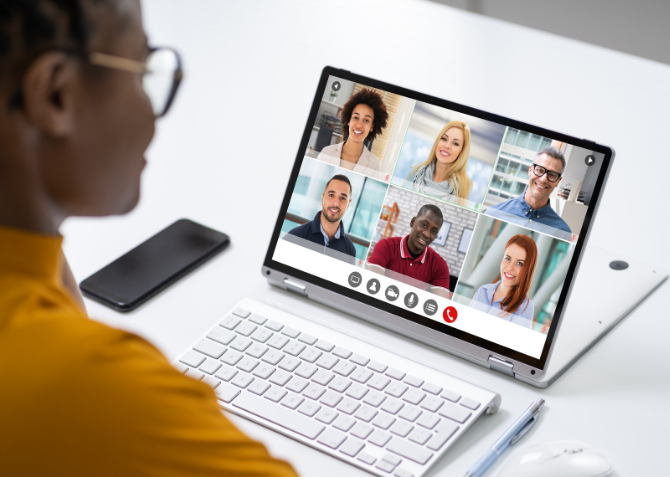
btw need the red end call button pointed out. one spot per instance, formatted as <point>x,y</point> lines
<point>450,314</point>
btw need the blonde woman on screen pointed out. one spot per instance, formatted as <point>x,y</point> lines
<point>443,174</point>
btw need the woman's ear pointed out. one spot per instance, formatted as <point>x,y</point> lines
<point>49,88</point>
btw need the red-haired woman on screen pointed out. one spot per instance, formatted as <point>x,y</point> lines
<point>508,298</point>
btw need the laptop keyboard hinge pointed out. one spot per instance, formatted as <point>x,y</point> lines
<point>295,287</point>
<point>501,366</point>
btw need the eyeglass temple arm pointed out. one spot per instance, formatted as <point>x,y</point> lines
<point>125,64</point>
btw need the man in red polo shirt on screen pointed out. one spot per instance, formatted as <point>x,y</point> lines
<point>412,257</point>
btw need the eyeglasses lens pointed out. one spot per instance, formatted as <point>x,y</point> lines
<point>162,64</point>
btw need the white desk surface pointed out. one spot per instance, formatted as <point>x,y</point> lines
<point>224,154</point>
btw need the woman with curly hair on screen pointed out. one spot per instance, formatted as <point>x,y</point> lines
<point>507,298</point>
<point>363,118</point>
<point>443,174</point>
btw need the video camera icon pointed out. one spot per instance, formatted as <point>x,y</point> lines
<point>392,293</point>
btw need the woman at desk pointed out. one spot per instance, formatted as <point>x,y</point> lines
<point>443,174</point>
<point>363,118</point>
<point>507,298</point>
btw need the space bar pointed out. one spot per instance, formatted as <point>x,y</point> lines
<point>280,416</point>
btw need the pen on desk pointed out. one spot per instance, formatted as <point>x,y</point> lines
<point>509,437</point>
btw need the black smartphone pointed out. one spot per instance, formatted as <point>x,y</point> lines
<point>154,265</point>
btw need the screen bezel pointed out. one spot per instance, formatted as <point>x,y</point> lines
<point>494,348</point>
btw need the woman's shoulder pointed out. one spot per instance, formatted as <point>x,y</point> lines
<point>369,160</point>
<point>331,152</point>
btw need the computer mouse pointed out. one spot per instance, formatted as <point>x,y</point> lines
<point>558,459</point>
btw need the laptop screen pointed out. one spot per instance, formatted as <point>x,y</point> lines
<point>457,219</point>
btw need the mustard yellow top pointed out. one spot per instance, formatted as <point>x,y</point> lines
<point>78,398</point>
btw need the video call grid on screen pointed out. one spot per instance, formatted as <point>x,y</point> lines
<point>395,176</point>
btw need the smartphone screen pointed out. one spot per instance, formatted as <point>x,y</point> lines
<point>153,265</point>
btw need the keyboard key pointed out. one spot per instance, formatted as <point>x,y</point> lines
<point>383,420</point>
<point>245,328</point>
<point>292,400</point>
<point>232,357</point>
<point>408,450</point>
<point>374,398</point>
<point>294,348</point>
<point>305,370</point>
<point>240,344</point>
<point>278,415</point>
<point>297,384</point>
<point>314,391</point>
<point>310,354</point>
<point>357,391</point>
<point>413,381</point>
<point>280,378</point>
<point>349,406</point>
<point>401,428</point>
<point>258,319</point>
<point>427,420</point>
<point>230,322</point>
<point>261,335</point>
<point>258,387</point>
<point>195,374</point>
<point>340,384</point>
<point>432,403</point>
<point>420,436</point>
<point>394,460</point>
<point>352,447</point>
<point>392,405</point>
<point>322,377</point>
<point>309,408</point>
<point>327,415</point>
<point>402,473</point>
<point>455,413</point>
<point>367,458</point>
<point>192,359</point>
<point>248,364</point>
<point>273,357</point>
<point>341,352</point>
<point>226,373</point>
<point>289,363</point>
<point>432,388</point>
<point>275,394</point>
<point>220,335</point>
<point>360,360</point>
<point>226,392</point>
<point>290,332</point>
<point>410,413</point>
<point>470,403</point>
<point>264,371</point>
<point>396,389</point>
<point>379,438</point>
<point>385,466</point>
<point>344,423</point>
<point>278,341</point>
<point>210,366</point>
<point>305,338</point>
<point>414,396</point>
<point>377,366</point>
<point>331,398</point>
<point>362,430</point>
<point>325,346</point>
<point>379,382</point>
<point>332,438</point>
<point>443,432</point>
<point>344,368</point>
<point>361,375</point>
<point>241,312</point>
<point>181,367</point>
<point>327,361</point>
<point>212,381</point>
<point>274,326</point>
<point>257,350</point>
<point>450,395</point>
<point>366,413</point>
<point>242,380</point>
<point>395,374</point>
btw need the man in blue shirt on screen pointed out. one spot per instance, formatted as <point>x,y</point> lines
<point>327,229</point>
<point>532,208</point>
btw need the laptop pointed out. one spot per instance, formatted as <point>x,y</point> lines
<point>449,225</point>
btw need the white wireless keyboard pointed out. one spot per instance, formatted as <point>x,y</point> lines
<point>338,394</point>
